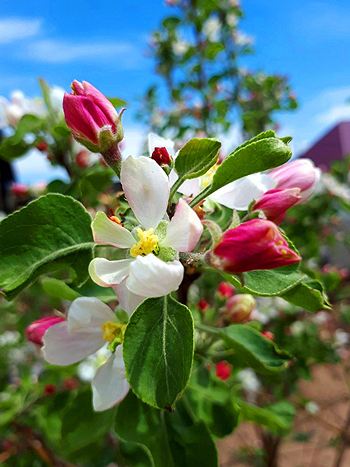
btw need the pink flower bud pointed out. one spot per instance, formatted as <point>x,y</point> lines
<point>256,244</point>
<point>275,203</point>
<point>91,117</point>
<point>239,308</point>
<point>19,189</point>
<point>225,290</point>
<point>300,173</point>
<point>223,370</point>
<point>36,330</point>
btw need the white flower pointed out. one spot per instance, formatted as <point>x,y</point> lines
<point>341,338</point>
<point>297,328</point>
<point>312,407</point>
<point>152,268</point>
<point>236,195</point>
<point>13,110</point>
<point>180,47</point>
<point>249,380</point>
<point>232,20</point>
<point>211,28</point>
<point>90,324</point>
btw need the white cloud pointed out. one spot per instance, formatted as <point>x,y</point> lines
<point>14,29</point>
<point>64,51</point>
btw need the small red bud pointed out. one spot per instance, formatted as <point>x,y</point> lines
<point>82,159</point>
<point>161,156</point>
<point>203,305</point>
<point>70,384</point>
<point>268,334</point>
<point>225,290</point>
<point>42,146</point>
<point>223,370</point>
<point>49,389</point>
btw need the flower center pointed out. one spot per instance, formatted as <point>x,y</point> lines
<point>148,243</point>
<point>112,331</point>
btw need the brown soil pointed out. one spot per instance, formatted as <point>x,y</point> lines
<point>328,440</point>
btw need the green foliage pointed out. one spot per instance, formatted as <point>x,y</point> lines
<point>158,351</point>
<point>212,402</point>
<point>196,157</point>
<point>278,418</point>
<point>50,233</point>
<point>309,295</point>
<point>197,52</point>
<point>251,348</point>
<point>170,439</point>
<point>257,156</point>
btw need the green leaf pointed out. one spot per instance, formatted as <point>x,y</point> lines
<point>309,294</point>
<point>255,350</point>
<point>196,157</point>
<point>117,102</point>
<point>257,156</point>
<point>28,124</point>
<point>277,417</point>
<point>58,289</point>
<point>251,348</point>
<point>211,401</point>
<point>170,439</point>
<point>158,350</point>
<point>267,283</point>
<point>50,233</point>
<point>81,425</point>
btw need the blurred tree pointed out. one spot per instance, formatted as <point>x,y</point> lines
<point>197,51</point>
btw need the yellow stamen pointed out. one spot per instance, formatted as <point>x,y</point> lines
<point>112,330</point>
<point>148,243</point>
<point>115,219</point>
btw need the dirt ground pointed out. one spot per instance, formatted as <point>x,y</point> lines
<point>321,432</point>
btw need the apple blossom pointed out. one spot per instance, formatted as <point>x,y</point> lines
<point>36,330</point>
<point>90,325</point>
<point>239,308</point>
<point>275,203</point>
<point>236,195</point>
<point>256,244</point>
<point>151,268</point>
<point>93,120</point>
<point>300,173</point>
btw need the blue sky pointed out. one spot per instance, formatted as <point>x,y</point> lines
<point>105,43</point>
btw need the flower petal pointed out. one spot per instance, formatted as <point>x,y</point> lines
<point>184,229</point>
<point>109,385</point>
<point>240,193</point>
<point>108,273</point>
<point>107,232</point>
<point>146,188</point>
<point>128,301</point>
<point>151,277</point>
<point>156,141</point>
<point>87,314</point>
<point>62,347</point>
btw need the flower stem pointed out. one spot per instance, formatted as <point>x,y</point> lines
<point>203,194</point>
<point>113,158</point>
<point>174,188</point>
